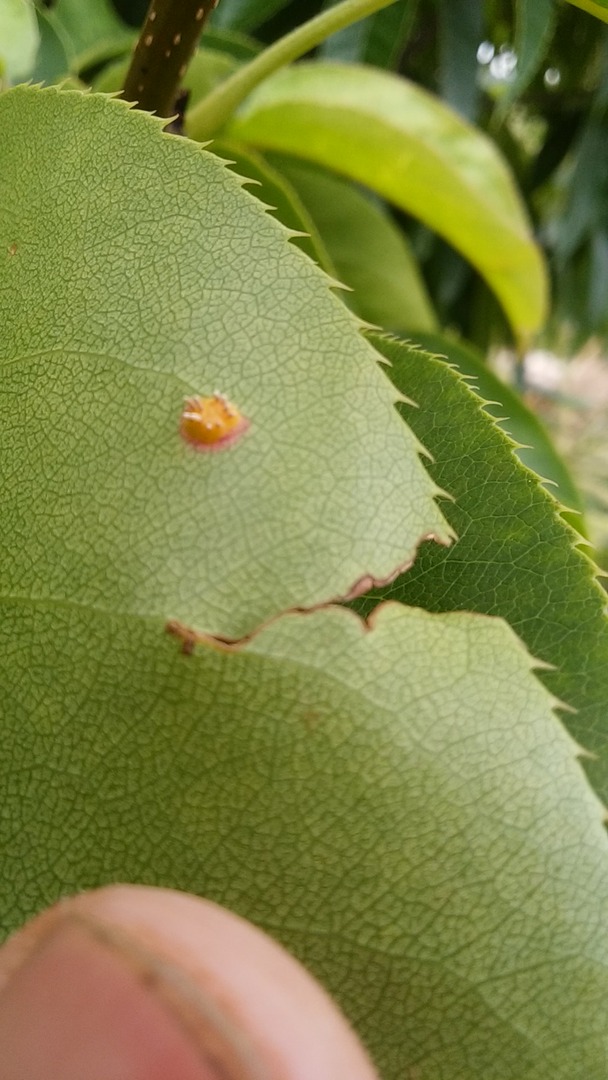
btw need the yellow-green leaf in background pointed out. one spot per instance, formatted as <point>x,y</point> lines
<point>18,39</point>
<point>405,144</point>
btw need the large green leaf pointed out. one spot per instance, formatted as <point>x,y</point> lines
<point>125,290</point>
<point>515,556</point>
<point>18,38</point>
<point>370,254</point>
<point>398,806</point>
<point>408,146</point>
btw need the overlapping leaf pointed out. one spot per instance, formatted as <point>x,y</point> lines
<point>515,556</point>
<point>535,448</point>
<point>89,26</point>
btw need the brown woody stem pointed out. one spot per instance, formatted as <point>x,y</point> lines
<point>167,42</point>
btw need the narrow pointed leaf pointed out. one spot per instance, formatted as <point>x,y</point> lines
<point>89,25</point>
<point>52,57</point>
<point>461,28</point>
<point>378,40</point>
<point>594,7</point>
<point>536,20</point>
<point>246,15</point>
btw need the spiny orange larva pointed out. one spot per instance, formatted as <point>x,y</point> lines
<point>211,423</point>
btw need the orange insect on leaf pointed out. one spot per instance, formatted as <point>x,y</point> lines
<point>211,423</point>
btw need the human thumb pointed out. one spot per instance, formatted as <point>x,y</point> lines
<point>136,983</point>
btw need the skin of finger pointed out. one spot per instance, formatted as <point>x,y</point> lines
<point>208,961</point>
<point>76,1011</point>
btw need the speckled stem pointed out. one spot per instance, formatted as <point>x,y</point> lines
<point>168,39</point>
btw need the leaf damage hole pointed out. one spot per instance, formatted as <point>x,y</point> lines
<point>189,637</point>
<point>211,423</point>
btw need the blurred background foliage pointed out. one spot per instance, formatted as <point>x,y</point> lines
<point>533,76</point>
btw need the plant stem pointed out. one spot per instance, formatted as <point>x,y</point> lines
<point>168,39</point>
<point>212,113</point>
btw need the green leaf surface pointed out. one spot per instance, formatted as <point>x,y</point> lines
<point>515,556</point>
<point>53,56</point>
<point>399,806</point>
<point>278,194</point>
<point>379,40</point>
<point>18,38</point>
<point>91,25</point>
<point>407,146</point>
<point>598,8</point>
<point>461,28</point>
<point>584,213</point>
<point>127,289</point>
<point>536,21</point>
<point>535,448</point>
<point>397,803</point>
<point>245,15</point>
<point>370,254</point>
<point>240,46</point>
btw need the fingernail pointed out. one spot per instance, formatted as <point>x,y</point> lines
<point>83,1006</point>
